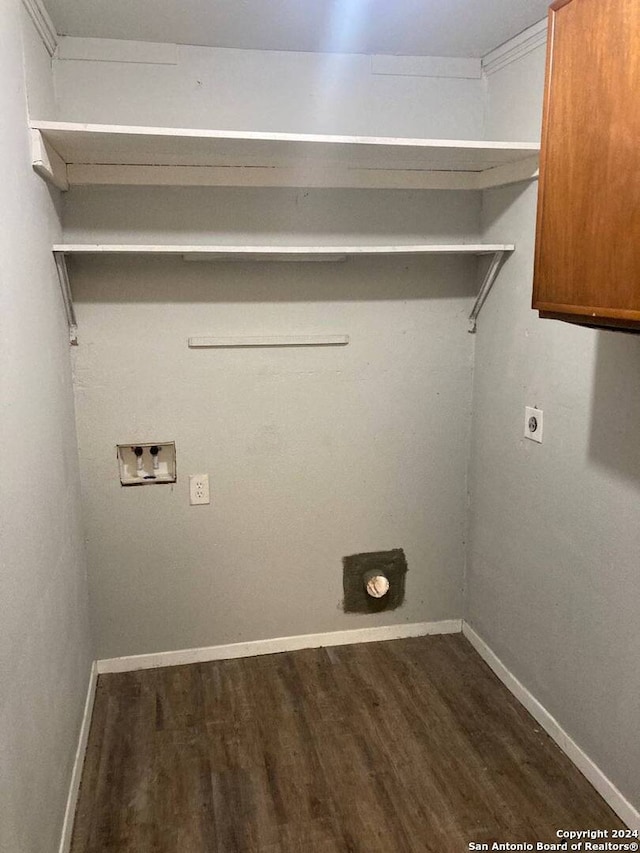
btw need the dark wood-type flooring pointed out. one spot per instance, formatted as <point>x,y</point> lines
<point>408,745</point>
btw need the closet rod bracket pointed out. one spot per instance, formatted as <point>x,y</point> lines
<point>494,268</point>
<point>67,296</point>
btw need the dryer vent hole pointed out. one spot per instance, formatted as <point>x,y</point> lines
<point>363,580</point>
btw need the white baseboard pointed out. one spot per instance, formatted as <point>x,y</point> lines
<point>603,785</point>
<point>278,644</point>
<point>76,775</point>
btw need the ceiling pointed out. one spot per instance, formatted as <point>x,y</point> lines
<point>407,27</point>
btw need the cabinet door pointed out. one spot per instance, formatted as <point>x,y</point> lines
<point>587,267</point>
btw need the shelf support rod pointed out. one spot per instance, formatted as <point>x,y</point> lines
<point>487,284</point>
<point>67,296</point>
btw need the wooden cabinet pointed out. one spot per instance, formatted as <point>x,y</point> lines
<point>587,266</point>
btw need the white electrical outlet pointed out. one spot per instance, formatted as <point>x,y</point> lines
<point>199,489</point>
<point>533,424</point>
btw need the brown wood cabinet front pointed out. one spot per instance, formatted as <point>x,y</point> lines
<point>587,266</point>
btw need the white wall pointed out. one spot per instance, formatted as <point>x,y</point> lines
<point>45,650</point>
<point>264,90</point>
<point>552,580</point>
<point>313,454</point>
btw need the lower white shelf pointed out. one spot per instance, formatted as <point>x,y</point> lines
<point>498,251</point>
<point>278,253</point>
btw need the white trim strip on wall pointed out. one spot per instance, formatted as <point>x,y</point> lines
<point>117,50</point>
<point>426,66</point>
<point>515,48</point>
<point>279,644</point>
<point>603,785</point>
<point>43,24</point>
<point>269,341</point>
<point>78,764</point>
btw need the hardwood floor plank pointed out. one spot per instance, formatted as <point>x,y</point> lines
<point>407,746</point>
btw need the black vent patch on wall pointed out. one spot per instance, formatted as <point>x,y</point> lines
<point>356,569</point>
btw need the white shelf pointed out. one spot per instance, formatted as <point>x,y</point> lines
<point>67,154</point>
<point>280,253</point>
<point>498,251</point>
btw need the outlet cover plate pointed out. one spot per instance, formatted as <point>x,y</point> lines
<point>199,489</point>
<point>533,424</point>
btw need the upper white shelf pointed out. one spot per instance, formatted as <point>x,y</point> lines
<point>66,153</point>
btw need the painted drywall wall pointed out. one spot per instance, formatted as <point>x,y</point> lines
<point>313,454</point>
<point>264,90</point>
<point>45,651</point>
<point>552,580</point>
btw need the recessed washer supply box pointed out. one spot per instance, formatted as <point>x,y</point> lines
<point>147,463</point>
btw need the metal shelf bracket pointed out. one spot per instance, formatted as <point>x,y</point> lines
<point>489,280</point>
<point>67,296</point>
